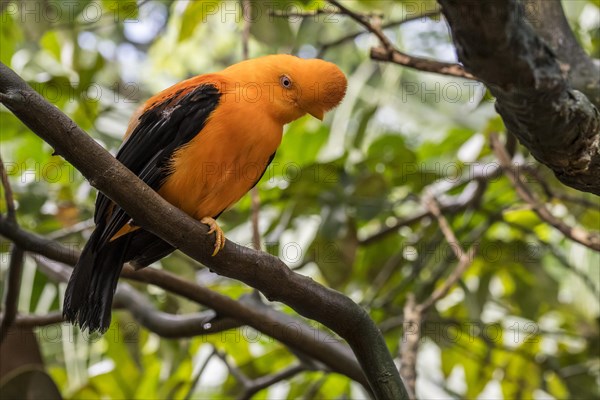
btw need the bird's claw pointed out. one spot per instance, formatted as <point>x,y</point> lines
<point>219,235</point>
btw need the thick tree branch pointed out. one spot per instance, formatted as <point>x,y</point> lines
<point>559,125</point>
<point>283,327</point>
<point>549,21</point>
<point>161,323</point>
<point>259,270</point>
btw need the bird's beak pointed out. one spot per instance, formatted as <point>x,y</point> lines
<point>316,112</point>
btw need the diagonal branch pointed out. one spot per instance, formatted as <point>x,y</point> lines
<point>465,258</point>
<point>414,313</point>
<point>364,21</point>
<point>388,52</point>
<point>291,331</point>
<point>577,234</point>
<point>387,25</point>
<point>258,269</point>
<point>419,63</point>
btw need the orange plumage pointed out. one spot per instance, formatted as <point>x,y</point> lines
<point>202,144</point>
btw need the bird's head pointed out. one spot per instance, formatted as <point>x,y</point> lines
<point>291,86</point>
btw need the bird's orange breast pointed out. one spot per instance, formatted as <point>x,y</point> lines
<point>225,159</point>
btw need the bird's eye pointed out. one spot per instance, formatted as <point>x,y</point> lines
<point>285,81</point>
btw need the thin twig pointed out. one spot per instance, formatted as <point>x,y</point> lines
<point>303,14</point>
<point>409,346</point>
<point>388,52</point>
<point>559,255</point>
<point>552,194</point>
<point>161,323</point>
<point>13,288</point>
<point>419,63</point>
<point>465,259</point>
<point>247,18</point>
<point>391,24</point>
<point>8,194</point>
<point>254,196</point>
<point>414,313</point>
<point>70,230</point>
<point>364,21</point>
<point>577,234</point>
<point>458,203</point>
<point>199,374</point>
<point>263,382</point>
<point>34,321</point>
<point>234,370</point>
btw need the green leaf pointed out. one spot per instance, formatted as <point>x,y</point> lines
<point>51,43</point>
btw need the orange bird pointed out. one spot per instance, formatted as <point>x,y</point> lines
<point>201,144</point>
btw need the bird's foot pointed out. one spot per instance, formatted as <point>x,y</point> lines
<point>219,235</point>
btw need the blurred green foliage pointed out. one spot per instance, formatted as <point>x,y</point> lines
<point>522,323</point>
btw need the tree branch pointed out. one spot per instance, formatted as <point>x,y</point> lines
<point>34,321</point>
<point>364,21</point>
<point>557,124</point>
<point>254,195</point>
<point>409,346</point>
<point>387,25</point>
<point>8,194</point>
<point>289,330</point>
<point>465,258</point>
<point>549,21</point>
<point>419,63</point>
<point>478,178</point>
<point>13,288</point>
<point>257,269</point>
<point>577,234</point>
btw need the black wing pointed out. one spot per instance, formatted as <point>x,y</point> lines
<point>161,130</point>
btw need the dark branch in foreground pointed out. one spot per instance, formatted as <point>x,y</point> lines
<point>257,269</point>
<point>283,327</point>
<point>558,125</point>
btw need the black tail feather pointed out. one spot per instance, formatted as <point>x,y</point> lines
<point>89,294</point>
<point>146,248</point>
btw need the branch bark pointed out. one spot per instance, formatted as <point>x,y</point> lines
<point>257,269</point>
<point>549,21</point>
<point>557,124</point>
